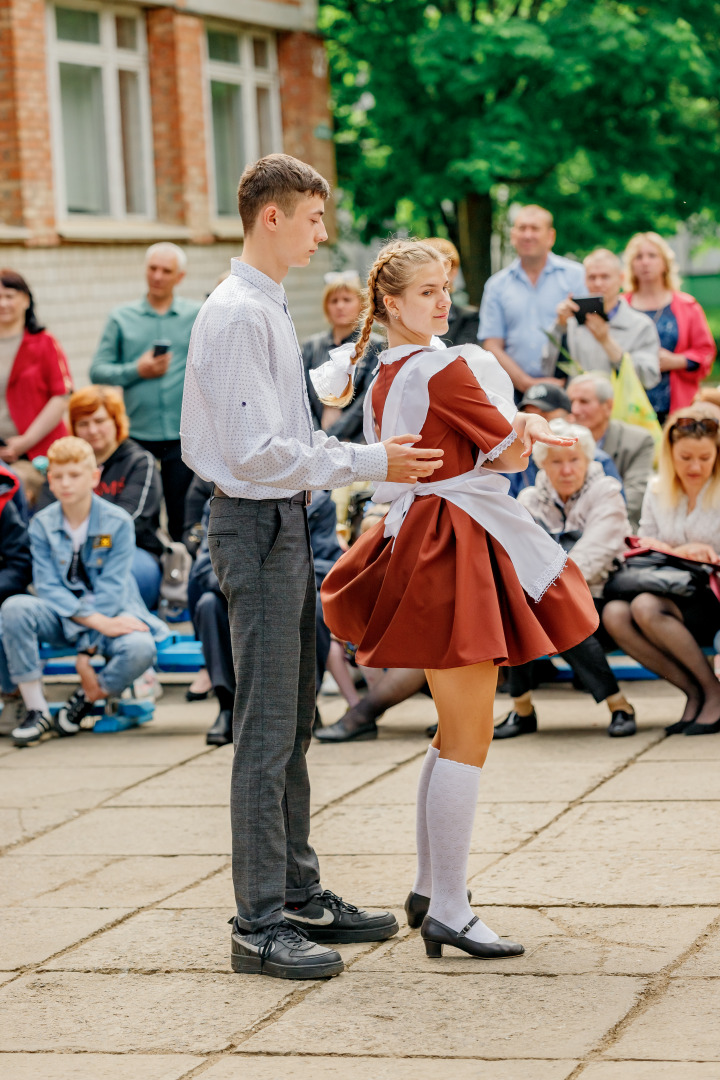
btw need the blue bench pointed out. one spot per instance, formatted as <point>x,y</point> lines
<point>178,653</point>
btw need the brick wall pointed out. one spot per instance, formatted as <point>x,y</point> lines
<point>305,104</point>
<point>76,286</point>
<point>175,52</point>
<point>26,184</point>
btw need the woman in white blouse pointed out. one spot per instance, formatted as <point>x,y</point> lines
<point>680,513</point>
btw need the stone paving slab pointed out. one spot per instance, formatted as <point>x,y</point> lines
<point>75,788</point>
<point>676,781</point>
<point>654,1070</point>
<point>24,877</point>
<point>682,748</point>
<point>562,941</point>
<point>153,830</point>
<point>31,935</point>
<point>499,827</point>
<point>380,881</point>
<point>24,823</point>
<point>540,877</point>
<point>378,1068</point>
<point>137,747</point>
<point>682,1025</point>
<point>135,881</point>
<point>189,785</point>
<point>705,961</point>
<point>623,828</point>
<point>467,1016</point>
<point>96,1066</point>
<point>166,940</point>
<point>188,1013</point>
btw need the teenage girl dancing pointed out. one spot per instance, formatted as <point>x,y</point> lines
<point>457,578</point>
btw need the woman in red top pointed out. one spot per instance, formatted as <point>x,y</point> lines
<point>34,378</point>
<point>430,586</point>
<point>688,348</point>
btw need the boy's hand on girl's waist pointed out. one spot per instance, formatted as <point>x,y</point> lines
<point>406,464</point>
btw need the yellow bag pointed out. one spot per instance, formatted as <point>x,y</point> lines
<point>631,403</point>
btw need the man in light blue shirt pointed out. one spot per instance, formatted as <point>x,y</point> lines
<point>519,302</point>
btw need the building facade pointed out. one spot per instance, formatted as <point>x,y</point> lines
<point>124,124</point>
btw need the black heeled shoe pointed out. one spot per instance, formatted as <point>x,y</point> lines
<point>435,935</point>
<point>417,907</point>
<point>702,729</point>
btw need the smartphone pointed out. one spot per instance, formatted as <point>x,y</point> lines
<point>587,304</point>
<point>161,347</point>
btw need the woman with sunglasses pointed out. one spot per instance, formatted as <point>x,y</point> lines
<point>680,514</point>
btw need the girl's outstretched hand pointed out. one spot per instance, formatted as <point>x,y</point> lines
<point>532,428</point>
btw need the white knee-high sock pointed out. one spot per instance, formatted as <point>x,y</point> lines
<point>451,801</point>
<point>33,696</point>
<point>423,876</point>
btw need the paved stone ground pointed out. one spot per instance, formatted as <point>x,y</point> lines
<point>600,855</point>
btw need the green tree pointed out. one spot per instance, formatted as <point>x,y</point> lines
<point>605,112</point>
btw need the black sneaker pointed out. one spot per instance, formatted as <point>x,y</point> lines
<point>327,918</point>
<point>34,726</point>
<point>283,952</point>
<point>622,724</point>
<point>68,719</point>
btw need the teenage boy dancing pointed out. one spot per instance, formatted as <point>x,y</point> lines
<point>86,597</point>
<point>247,426</point>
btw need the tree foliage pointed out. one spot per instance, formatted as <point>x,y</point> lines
<point>605,112</point>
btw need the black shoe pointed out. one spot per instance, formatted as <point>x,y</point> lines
<point>417,906</point>
<point>435,934</point>
<point>431,731</point>
<point>68,719</point>
<point>702,729</point>
<point>283,952</point>
<point>348,727</point>
<point>191,695</point>
<point>33,727</point>
<point>328,918</point>
<point>678,727</point>
<point>621,724</point>
<point>221,732</point>
<point>514,724</point>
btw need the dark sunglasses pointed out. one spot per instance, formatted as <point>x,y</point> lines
<point>687,425</point>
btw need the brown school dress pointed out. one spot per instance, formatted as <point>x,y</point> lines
<point>446,594</point>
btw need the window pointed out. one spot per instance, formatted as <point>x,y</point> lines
<point>101,128</point>
<point>244,107</point>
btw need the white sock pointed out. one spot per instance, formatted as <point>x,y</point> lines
<point>451,801</point>
<point>423,876</point>
<point>34,696</point>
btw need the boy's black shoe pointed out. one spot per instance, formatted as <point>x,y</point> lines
<point>283,952</point>
<point>68,719</point>
<point>34,726</point>
<point>514,724</point>
<point>329,919</point>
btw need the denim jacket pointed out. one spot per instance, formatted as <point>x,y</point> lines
<point>107,555</point>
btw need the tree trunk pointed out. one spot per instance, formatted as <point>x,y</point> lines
<point>475,233</point>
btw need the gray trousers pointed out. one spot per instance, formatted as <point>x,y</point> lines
<point>260,552</point>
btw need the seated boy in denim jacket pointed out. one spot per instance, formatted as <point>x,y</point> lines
<point>86,598</point>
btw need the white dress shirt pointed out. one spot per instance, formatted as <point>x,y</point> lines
<point>246,423</point>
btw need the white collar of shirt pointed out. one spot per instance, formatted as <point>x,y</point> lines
<point>261,281</point>
<point>400,352</point>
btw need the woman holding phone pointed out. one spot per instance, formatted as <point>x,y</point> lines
<point>457,578</point>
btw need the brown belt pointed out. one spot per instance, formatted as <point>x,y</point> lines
<point>303,498</point>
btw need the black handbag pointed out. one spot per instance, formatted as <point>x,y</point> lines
<point>657,572</point>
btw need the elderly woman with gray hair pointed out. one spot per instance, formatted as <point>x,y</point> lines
<point>585,512</point>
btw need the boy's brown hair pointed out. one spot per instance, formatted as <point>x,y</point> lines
<point>279,179</point>
<point>71,451</point>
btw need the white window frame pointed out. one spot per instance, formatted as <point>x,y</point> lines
<point>110,59</point>
<point>248,78</point>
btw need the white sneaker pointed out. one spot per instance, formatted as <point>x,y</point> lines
<point>147,687</point>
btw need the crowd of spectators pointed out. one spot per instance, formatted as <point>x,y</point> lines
<point>94,494</point>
